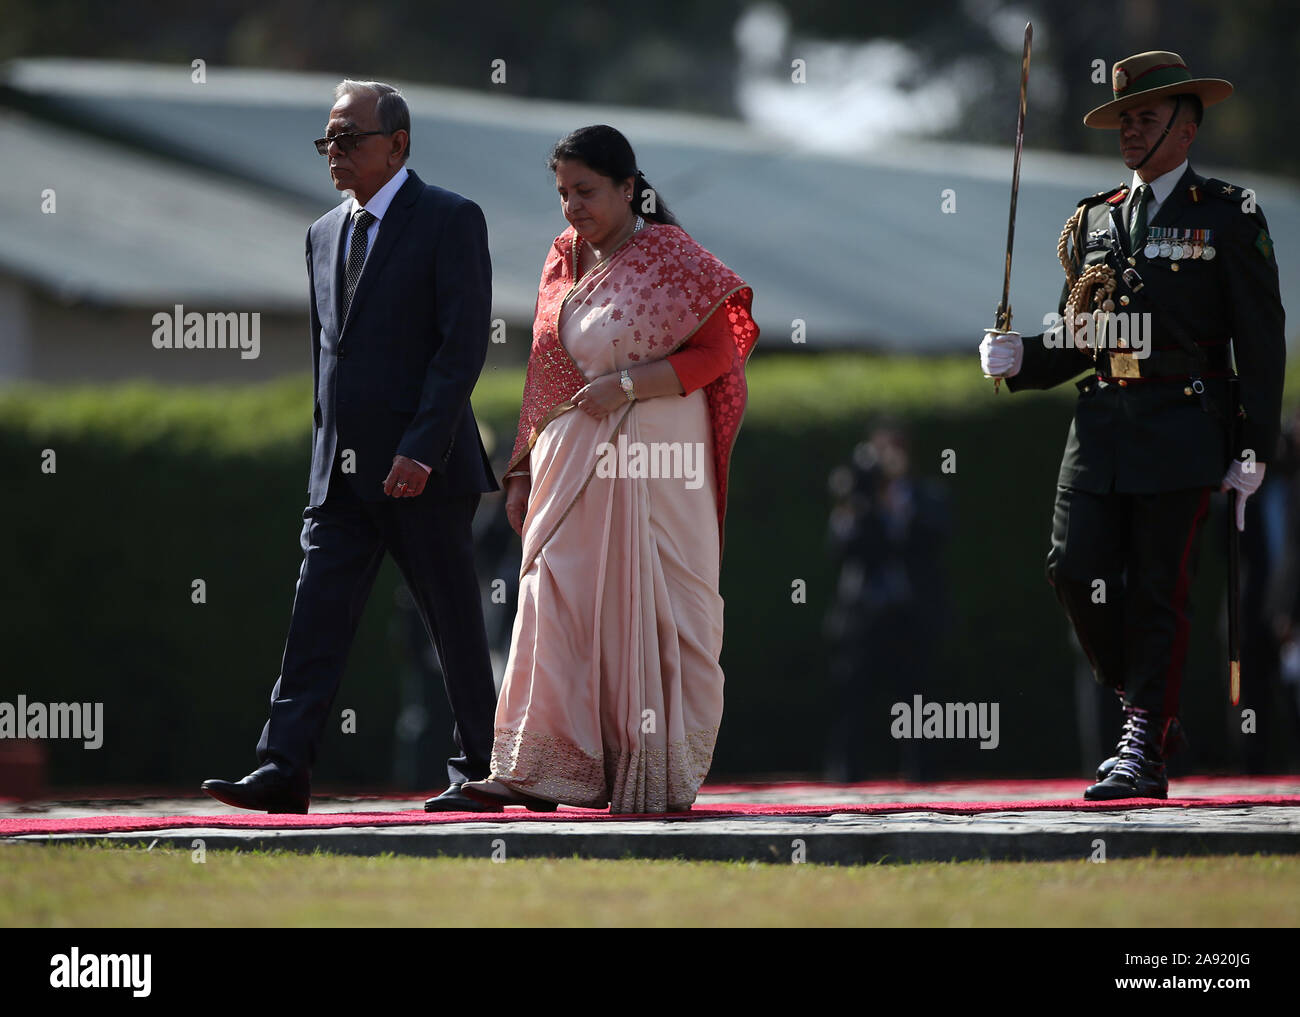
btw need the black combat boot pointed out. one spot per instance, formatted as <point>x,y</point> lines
<point>1139,770</point>
<point>1174,740</point>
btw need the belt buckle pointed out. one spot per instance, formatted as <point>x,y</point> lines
<point>1124,365</point>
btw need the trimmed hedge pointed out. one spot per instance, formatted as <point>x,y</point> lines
<point>157,486</point>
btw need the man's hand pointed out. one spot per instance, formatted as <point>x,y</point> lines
<point>1245,484</point>
<point>601,397</point>
<point>406,479</point>
<point>1001,354</point>
<point>517,491</point>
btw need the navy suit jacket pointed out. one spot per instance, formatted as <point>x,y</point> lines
<point>395,377</point>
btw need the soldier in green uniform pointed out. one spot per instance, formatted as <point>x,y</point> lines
<point>1170,278</point>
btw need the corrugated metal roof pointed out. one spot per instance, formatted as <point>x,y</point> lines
<point>134,230</point>
<point>858,248</point>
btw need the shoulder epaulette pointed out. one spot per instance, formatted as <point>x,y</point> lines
<point>1218,189</point>
<point>1244,199</point>
<point>1114,196</point>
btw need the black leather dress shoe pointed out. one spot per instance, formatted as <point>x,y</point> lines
<point>266,789</point>
<point>455,800</point>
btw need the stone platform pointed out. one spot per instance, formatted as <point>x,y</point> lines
<point>914,827</point>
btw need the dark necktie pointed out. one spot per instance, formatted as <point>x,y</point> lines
<point>356,257</point>
<point>1137,229</point>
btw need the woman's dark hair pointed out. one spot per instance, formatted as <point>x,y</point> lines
<point>607,152</point>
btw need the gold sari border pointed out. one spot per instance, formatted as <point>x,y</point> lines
<point>557,410</point>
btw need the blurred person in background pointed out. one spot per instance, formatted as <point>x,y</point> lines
<point>887,536</point>
<point>1270,614</point>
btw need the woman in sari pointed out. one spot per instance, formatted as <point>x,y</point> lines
<point>617,485</point>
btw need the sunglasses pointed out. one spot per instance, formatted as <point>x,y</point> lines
<point>346,142</point>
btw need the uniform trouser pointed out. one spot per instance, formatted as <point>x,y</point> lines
<point>343,542</point>
<point>1122,566</point>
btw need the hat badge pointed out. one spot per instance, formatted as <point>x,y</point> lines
<point>1120,79</point>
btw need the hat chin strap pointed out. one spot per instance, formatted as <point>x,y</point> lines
<point>1168,127</point>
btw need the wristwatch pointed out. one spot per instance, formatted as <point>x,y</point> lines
<point>625,380</point>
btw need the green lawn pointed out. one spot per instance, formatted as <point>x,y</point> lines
<point>65,886</point>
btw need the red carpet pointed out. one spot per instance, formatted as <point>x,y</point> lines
<point>1066,787</point>
<point>12,825</point>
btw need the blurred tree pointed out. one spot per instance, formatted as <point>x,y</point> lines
<point>1252,43</point>
<point>681,54</point>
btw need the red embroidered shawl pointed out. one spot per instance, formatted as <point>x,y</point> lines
<point>675,285</point>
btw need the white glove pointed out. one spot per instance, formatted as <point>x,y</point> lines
<point>1001,354</point>
<point>1245,484</point>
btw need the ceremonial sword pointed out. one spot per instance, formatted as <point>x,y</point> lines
<point>1234,561</point>
<point>1002,317</point>
<point>1234,599</point>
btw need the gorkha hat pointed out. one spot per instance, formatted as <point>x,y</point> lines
<point>1155,75</point>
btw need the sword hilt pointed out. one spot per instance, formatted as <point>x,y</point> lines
<point>1001,323</point>
<point>1002,317</point>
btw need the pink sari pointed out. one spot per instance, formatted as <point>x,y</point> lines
<point>613,690</point>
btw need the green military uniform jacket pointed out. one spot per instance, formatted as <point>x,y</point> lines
<point>1163,433</point>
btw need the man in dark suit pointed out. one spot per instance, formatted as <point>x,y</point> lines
<point>1186,264</point>
<point>400,298</point>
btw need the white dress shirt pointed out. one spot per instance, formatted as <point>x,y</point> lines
<point>1161,187</point>
<point>378,207</point>
<point>378,204</point>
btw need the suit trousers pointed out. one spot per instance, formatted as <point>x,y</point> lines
<point>344,540</point>
<point>1122,566</point>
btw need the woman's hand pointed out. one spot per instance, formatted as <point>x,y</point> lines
<point>517,491</point>
<point>601,397</point>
